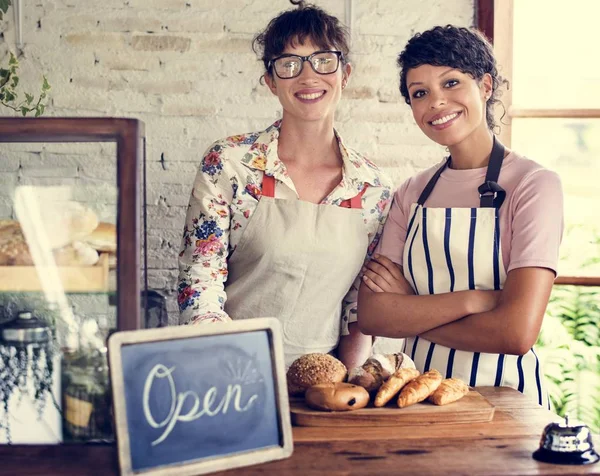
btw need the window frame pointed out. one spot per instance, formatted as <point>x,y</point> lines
<point>494,18</point>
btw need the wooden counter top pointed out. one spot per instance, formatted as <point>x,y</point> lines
<point>500,447</point>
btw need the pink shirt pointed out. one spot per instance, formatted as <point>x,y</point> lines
<point>531,218</point>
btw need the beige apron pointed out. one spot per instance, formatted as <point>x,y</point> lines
<point>296,261</point>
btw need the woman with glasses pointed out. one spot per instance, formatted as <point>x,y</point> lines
<point>280,221</point>
<point>469,253</point>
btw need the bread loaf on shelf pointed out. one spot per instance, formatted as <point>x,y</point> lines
<point>76,254</point>
<point>103,238</point>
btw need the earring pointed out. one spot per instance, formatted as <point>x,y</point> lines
<point>344,84</point>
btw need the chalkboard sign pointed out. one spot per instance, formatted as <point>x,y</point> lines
<point>198,399</point>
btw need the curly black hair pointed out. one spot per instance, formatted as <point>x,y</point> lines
<point>463,49</point>
<point>305,22</point>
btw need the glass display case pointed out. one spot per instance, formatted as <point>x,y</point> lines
<point>72,218</point>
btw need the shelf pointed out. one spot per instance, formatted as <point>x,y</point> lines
<point>74,279</point>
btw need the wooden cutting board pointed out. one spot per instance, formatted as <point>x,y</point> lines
<point>473,407</point>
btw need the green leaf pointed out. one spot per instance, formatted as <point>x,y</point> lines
<point>29,98</point>
<point>24,110</point>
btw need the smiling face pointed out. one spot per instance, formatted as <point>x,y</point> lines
<point>449,106</point>
<point>309,96</point>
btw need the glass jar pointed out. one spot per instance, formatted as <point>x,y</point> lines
<point>87,402</point>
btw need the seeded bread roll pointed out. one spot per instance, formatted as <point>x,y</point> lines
<point>13,249</point>
<point>336,397</point>
<point>313,369</point>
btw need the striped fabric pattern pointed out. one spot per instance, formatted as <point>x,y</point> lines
<point>454,249</point>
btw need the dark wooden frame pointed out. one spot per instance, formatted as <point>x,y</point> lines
<point>128,135</point>
<point>484,18</point>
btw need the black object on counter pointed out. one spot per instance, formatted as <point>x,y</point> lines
<point>562,443</point>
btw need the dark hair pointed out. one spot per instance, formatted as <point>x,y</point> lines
<point>460,48</point>
<point>307,21</point>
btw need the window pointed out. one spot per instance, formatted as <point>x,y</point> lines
<point>547,52</point>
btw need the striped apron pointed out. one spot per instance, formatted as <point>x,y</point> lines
<point>455,249</point>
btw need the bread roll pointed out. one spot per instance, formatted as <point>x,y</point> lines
<point>313,369</point>
<point>67,221</point>
<point>377,369</point>
<point>103,238</point>
<point>13,248</point>
<point>336,397</point>
<point>76,254</point>
<point>450,390</point>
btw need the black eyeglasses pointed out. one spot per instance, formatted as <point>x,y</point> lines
<point>322,62</point>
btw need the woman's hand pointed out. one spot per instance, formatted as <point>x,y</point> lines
<point>383,275</point>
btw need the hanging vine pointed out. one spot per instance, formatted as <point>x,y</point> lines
<point>9,82</point>
<point>16,364</point>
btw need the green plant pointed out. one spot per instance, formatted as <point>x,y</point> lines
<point>9,81</point>
<point>569,346</point>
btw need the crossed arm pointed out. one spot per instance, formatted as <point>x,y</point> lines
<point>506,321</point>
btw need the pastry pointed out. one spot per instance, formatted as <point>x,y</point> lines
<point>313,369</point>
<point>103,238</point>
<point>450,390</point>
<point>76,254</point>
<point>336,397</point>
<point>377,369</point>
<point>67,221</point>
<point>420,388</point>
<point>394,384</point>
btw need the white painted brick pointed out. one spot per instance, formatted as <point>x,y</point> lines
<point>194,79</point>
<point>169,218</point>
<point>9,162</point>
<point>172,194</point>
<point>6,208</point>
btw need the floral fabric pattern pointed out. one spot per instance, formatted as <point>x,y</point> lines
<point>225,194</point>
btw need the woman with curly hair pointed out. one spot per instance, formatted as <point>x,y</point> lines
<point>469,253</point>
<point>280,221</point>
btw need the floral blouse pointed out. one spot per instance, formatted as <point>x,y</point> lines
<point>226,192</point>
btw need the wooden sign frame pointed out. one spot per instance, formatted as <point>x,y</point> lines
<point>121,340</point>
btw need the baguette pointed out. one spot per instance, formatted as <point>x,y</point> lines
<point>393,385</point>
<point>420,388</point>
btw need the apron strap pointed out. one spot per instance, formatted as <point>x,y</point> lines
<point>268,186</point>
<point>356,201</point>
<point>429,187</point>
<point>268,190</point>
<point>492,195</point>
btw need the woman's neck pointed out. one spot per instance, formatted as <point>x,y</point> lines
<point>473,152</point>
<point>310,144</point>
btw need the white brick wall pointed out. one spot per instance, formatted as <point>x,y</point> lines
<point>186,68</point>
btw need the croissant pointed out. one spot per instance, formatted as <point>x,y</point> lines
<point>420,388</point>
<point>392,385</point>
<point>450,390</point>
